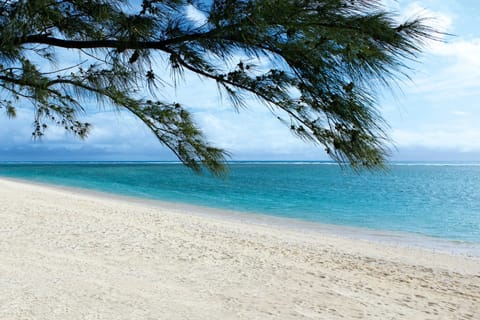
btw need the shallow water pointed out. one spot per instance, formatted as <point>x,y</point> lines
<point>436,200</point>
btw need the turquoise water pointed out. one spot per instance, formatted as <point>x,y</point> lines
<point>438,200</point>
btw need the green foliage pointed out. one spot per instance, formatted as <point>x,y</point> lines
<point>326,60</point>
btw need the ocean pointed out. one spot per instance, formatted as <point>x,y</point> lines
<point>437,200</point>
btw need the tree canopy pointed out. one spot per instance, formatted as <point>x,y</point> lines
<point>323,64</point>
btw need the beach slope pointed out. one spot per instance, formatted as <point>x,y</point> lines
<point>66,254</point>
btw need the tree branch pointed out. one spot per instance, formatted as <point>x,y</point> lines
<point>119,44</point>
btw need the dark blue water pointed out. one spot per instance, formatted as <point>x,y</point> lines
<point>434,200</point>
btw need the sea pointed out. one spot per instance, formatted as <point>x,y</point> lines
<point>436,202</point>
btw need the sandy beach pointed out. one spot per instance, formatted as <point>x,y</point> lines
<point>66,254</point>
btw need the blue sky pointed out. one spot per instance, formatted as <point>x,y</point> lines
<point>433,116</point>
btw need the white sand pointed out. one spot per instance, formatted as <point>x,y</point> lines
<point>71,255</point>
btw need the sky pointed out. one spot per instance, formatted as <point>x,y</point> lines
<point>434,116</point>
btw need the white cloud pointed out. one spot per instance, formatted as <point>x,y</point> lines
<point>440,21</point>
<point>255,132</point>
<point>18,130</point>
<point>459,72</point>
<point>112,132</point>
<point>459,113</point>
<point>454,137</point>
<point>465,52</point>
<point>196,16</point>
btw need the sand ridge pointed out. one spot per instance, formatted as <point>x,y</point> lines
<point>69,255</point>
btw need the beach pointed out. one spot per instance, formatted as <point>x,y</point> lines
<point>67,254</point>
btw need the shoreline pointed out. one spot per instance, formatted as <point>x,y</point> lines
<point>379,236</point>
<point>72,255</point>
